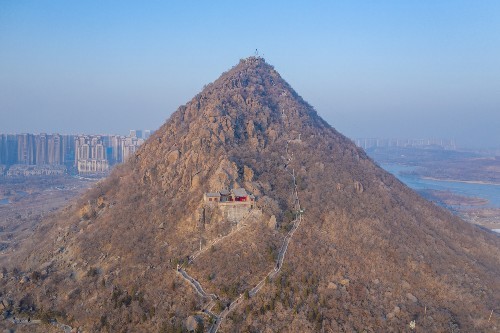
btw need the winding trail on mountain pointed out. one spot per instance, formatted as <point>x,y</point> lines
<point>217,240</point>
<point>279,261</point>
<point>196,285</point>
<point>26,322</point>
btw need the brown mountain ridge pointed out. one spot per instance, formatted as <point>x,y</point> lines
<point>369,254</point>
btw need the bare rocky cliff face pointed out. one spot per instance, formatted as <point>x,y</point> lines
<point>370,254</point>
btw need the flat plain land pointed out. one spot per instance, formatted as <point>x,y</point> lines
<point>25,201</point>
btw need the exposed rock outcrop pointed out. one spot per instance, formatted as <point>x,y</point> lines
<point>114,259</point>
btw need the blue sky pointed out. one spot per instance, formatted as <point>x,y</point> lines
<point>370,68</point>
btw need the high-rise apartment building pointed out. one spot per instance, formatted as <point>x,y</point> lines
<point>54,150</point>
<point>116,153</point>
<point>140,134</point>
<point>8,149</point>
<point>26,149</point>
<point>68,149</point>
<point>130,146</point>
<point>41,149</point>
<point>85,153</point>
<point>90,155</point>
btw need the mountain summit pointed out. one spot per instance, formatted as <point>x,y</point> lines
<point>172,240</point>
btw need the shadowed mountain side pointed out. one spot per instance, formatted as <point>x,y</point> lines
<point>369,255</point>
<point>374,258</point>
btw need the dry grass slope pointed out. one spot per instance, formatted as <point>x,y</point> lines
<point>371,255</point>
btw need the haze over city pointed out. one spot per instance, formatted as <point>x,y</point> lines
<point>392,69</point>
<point>169,166</point>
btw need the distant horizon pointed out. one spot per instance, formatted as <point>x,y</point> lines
<point>77,133</point>
<point>392,69</point>
<point>93,133</point>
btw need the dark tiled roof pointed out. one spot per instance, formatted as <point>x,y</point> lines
<point>240,192</point>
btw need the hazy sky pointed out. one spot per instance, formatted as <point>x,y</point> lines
<point>370,68</point>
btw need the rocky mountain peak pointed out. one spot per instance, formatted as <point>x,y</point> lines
<point>250,102</point>
<point>370,254</point>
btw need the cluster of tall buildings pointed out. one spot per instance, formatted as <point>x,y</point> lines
<point>32,154</point>
<point>35,149</point>
<point>367,143</point>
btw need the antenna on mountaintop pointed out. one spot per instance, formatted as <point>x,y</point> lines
<point>256,53</point>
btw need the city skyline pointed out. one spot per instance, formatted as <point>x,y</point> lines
<point>44,154</point>
<point>421,69</point>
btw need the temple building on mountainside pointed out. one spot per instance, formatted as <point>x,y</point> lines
<point>233,197</point>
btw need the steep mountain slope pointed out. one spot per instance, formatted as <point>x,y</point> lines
<point>369,255</point>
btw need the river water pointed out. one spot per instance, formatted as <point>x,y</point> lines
<point>486,191</point>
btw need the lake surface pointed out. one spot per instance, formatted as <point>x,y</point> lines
<point>485,191</point>
<point>4,201</point>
